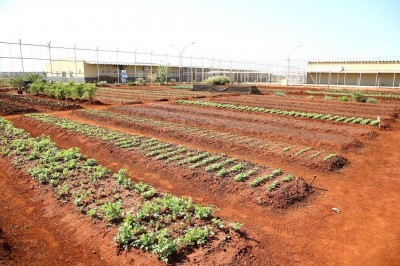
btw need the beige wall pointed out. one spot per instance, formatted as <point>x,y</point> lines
<point>348,73</point>
<point>111,70</point>
<point>369,79</point>
<point>65,70</point>
<point>354,67</point>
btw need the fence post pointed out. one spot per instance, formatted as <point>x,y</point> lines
<point>51,63</point>
<point>394,74</point>
<point>76,67</point>
<point>151,67</point>
<point>135,65</point>
<point>202,70</point>
<point>117,67</point>
<point>22,59</point>
<point>191,69</point>
<point>166,65</point>
<point>98,70</point>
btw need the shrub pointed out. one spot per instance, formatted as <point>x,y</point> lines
<point>37,87</point>
<point>218,80</point>
<point>16,82</point>
<point>280,94</point>
<point>162,73</point>
<point>343,99</point>
<point>327,98</point>
<point>140,82</point>
<point>102,84</point>
<point>358,96</point>
<point>89,90</point>
<point>371,100</point>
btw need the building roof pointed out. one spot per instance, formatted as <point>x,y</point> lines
<point>354,61</point>
<point>126,64</point>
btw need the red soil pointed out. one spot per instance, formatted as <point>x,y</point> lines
<point>39,230</point>
<point>271,152</point>
<point>364,232</point>
<point>349,109</point>
<point>283,129</point>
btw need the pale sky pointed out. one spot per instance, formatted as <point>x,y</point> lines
<point>238,29</point>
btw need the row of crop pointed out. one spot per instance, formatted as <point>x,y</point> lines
<point>383,94</point>
<point>63,91</point>
<point>158,222</point>
<point>318,116</point>
<point>282,149</point>
<point>41,102</point>
<point>119,95</point>
<point>219,166</point>
<point>9,108</point>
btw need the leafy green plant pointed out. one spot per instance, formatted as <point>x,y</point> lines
<point>280,93</point>
<point>236,226</point>
<point>111,210</point>
<point>274,185</point>
<point>89,90</point>
<point>358,96</point>
<point>218,80</point>
<point>343,99</point>
<point>62,191</point>
<point>287,178</point>
<point>204,212</point>
<point>196,236</point>
<point>245,175</point>
<point>92,213</point>
<point>371,100</point>
<point>262,179</point>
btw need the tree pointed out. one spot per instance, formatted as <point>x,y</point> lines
<point>162,74</point>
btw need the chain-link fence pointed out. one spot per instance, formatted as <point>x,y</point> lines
<point>95,64</point>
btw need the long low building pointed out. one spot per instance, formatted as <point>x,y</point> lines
<point>380,73</point>
<point>67,69</point>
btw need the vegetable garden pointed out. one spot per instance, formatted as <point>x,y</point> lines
<point>204,179</point>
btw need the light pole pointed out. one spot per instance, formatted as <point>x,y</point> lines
<point>288,60</point>
<point>181,55</point>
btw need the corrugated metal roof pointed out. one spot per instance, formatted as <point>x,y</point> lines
<point>127,64</point>
<point>354,61</point>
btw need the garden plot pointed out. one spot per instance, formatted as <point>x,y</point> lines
<point>7,108</point>
<point>333,106</point>
<point>282,112</point>
<point>39,103</point>
<point>125,95</point>
<point>224,140</point>
<point>206,168</point>
<point>285,130</point>
<point>168,226</point>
